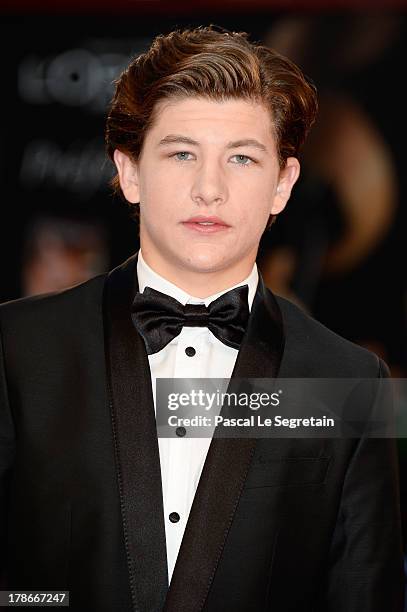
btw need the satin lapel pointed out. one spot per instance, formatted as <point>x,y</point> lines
<point>226,467</point>
<point>136,446</point>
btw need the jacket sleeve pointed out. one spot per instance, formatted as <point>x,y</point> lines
<point>365,570</point>
<point>7,452</point>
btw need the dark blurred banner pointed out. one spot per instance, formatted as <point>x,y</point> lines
<point>164,7</point>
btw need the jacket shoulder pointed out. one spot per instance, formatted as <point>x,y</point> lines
<point>42,310</point>
<point>317,350</point>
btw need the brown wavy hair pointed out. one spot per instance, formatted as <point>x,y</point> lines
<point>215,64</point>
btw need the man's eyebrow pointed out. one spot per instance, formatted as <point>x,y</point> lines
<point>177,138</point>
<point>247,142</point>
<point>244,142</point>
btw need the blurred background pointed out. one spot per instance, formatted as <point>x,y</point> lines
<point>337,250</point>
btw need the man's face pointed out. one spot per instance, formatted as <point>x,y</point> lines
<point>207,180</point>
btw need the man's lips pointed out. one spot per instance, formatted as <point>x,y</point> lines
<point>206,225</point>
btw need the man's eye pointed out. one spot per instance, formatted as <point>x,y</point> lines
<point>243,160</point>
<point>181,156</point>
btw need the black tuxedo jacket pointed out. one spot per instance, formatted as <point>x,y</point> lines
<point>278,525</point>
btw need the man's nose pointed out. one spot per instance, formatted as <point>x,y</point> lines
<point>209,185</point>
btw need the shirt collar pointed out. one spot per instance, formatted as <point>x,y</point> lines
<point>148,278</point>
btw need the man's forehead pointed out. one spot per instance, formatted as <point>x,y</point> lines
<point>189,117</point>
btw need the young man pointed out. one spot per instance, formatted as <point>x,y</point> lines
<point>204,130</point>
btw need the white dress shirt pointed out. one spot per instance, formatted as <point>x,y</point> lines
<point>182,459</point>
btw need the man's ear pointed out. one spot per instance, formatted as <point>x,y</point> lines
<point>128,176</point>
<point>288,176</point>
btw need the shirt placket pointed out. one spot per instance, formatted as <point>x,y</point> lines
<point>183,461</point>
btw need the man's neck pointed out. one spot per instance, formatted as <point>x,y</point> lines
<point>203,284</point>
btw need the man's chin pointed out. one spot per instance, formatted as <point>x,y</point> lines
<point>206,265</point>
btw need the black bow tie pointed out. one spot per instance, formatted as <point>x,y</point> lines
<point>159,318</point>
